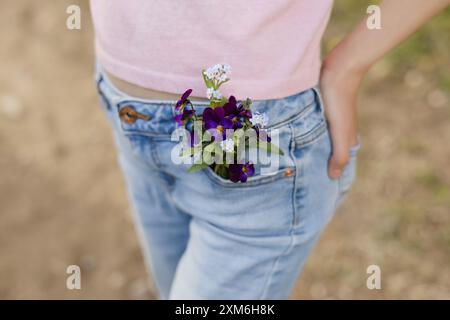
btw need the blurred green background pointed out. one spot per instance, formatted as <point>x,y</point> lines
<point>63,202</point>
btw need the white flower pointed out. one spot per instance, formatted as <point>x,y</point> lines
<point>227,145</point>
<point>218,72</point>
<point>213,94</point>
<point>227,69</point>
<point>259,119</point>
<point>208,73</point>
<point>223,78</point>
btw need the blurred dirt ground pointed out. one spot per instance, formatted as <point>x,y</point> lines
<point>63,202</point>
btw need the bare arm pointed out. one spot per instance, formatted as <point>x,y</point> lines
<point>346,65</point>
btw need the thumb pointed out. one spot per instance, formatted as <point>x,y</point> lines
<point>336,165</point>
<point>340,154</point>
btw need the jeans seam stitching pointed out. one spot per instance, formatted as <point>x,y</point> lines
<point>312,136</point>
<point>292,147</point>
<point>253,183</point>
<point>275,264</point>
<point>291,227</point>
<point>302,114</point>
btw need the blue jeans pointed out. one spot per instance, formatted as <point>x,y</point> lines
<point>204,237</point>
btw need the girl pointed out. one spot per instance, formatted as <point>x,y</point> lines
<point>209,238</point>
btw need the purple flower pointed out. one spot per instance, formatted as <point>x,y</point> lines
<point>183,117</point>
<point>240,172</point>
<point>237,114</point>
<point>184,98</point>
<point>215,119</point>
<point>195,138</point>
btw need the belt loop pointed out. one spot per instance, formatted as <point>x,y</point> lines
<point>319,98</point>
<point>105,99</point>
<point>98,80</point>
<point>98,73</point>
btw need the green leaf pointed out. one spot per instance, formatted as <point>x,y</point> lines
<point>207,158</point>
<point>197,167</point>
<point>270,147</point>
<point>207,136</point>
<point>210,148</point>
<point>247,104</point>
<point>187,153</point>
<point>208,83</point>
<point>208,153</point>
<point>218,103</point>
<point>191,152</point>
<point>238,133</point>
<point>222,171</point>
<point>211,151</point>
<point>237,136</point>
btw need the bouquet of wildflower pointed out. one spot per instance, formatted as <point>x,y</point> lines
<point>226,129</point>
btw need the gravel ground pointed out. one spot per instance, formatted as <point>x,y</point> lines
<point>63,202</point>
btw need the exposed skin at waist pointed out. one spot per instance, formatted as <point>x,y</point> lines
<point>141,92</point>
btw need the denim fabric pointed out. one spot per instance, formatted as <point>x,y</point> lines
<point>204,237</point>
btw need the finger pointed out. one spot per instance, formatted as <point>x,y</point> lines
<point>337,163</point>
<point>340,147</point>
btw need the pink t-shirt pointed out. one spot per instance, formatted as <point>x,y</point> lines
<point>272,46</point>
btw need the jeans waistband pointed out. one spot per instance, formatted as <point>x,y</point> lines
<point>157,115</point>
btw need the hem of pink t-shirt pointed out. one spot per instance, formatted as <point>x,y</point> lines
<point>177,84</point>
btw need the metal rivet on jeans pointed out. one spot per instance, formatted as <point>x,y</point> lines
<point>129,115</point>
<point>289,172</point>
